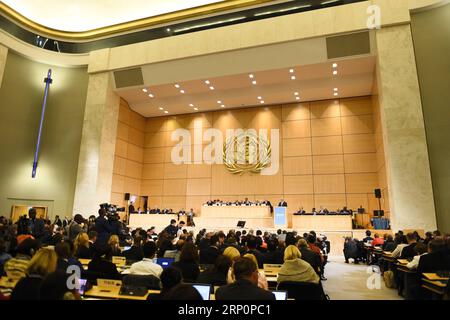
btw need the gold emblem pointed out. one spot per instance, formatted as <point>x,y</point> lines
<point>246,152</point>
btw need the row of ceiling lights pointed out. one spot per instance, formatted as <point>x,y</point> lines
<point>253,81</point>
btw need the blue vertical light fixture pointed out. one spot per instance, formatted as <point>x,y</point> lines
<point>48,81</point>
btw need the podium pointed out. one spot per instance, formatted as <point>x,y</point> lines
<point>279,218</point>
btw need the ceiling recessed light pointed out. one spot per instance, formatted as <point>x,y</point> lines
<point>296,93</point>
<point>177,86</point>
<point>335,72</point>
<point>161,108</point>
<point>182,91</point>
<point>259,98</point>
<point>335,65</point>
<point>223,106</point>
<point>212,88</point>
<point>262,101</point>
<point>151,95</point>
<point>254,82</point>
<point>196,109</point>
<point>207,82</point>
<point>251,76</point>
<point>191,105</point>
<point>335,89</point>
<point>297,98</point>
<point>166,111</point>
<point>145,90</point>
<point>291,71</point>
<point>293,78</point>
<point>168,30</point>
<point>219,102</point>
<point>335,94</point>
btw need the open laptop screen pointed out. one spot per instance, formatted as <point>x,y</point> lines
<point>280,295</point>
<point>203,289</point>
<point>165,262</point>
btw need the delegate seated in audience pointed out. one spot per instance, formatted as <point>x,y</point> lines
<point>175,253</point>
<point>408,251</point>
<point>65,259</point>
<point>4,256</point>
<point>100,265</point>
<point>437,259</point>
<point>246,285</point>
<point>188,263</point>
<point>54,288</point>
<point>217,274</point>
<point>401,242</point>
<point>368,237</point>
<point>275,252</point>
<point>420,249</point>
<point>135,252</point>
<point>82,246</point>
<point>389,245</point>
<point>309,256</point>
<point>428,237</point>
<point>182,291</point>
<point>209,254</point>
<point>262,281</point>
<point>377,241</point>
<point>252,244</point>
<point>113,242</point>
<point>170,277</point>
<point>146,266</point>
<point>42,263</point>
<point>163,243</point>
<point>295,269</point>
<point>15,268</point>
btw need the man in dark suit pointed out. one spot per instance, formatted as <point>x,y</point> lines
<point>58,221</point>
<point>438,258</point>
<point>252,244</point>
<point>246,285</point>
<point>102,227</point>
<point>408,251</point>
<point>301,211</point>
<point>282,203</point>
<point>156,210</point>
<point>172,229</point>
<point>36,225</point>
<point>208,255</point>
<point>310,256</point>
<point>131,208</point>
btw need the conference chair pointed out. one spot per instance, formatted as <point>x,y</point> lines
<point>303,290</point>
<point>148,281</point>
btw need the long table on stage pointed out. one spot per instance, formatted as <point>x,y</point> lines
<point>228,216</point>
<point>322,222</point>
<point>146,221</point>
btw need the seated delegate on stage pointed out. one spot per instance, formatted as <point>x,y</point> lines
<point>282,203</point>
<point>245,202</point>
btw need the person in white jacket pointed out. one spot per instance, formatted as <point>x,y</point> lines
<point>420,249</point>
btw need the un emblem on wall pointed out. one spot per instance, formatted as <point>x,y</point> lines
<point>246,151</point>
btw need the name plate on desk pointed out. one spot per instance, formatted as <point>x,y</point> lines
<point>280,220</point>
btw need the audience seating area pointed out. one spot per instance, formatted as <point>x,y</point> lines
<point>37,258</point>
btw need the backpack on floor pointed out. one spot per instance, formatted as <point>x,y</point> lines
<point>389,279</point>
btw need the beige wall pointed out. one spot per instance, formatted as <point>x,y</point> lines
<point>431,36</point>
<point>328,158</point>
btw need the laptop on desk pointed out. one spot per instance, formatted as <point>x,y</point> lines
<point>204,290</point>
<point>165,262</point>
<point>280,295</point>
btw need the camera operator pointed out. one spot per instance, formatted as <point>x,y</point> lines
<point>102,226</point>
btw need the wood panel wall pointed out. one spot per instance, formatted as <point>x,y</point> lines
<point>129,154</point>
<point>329,157</point>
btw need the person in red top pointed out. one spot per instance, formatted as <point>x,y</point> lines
<point>377,241</point>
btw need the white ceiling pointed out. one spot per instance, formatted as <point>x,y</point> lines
<point>83,15</point>
<point>313,82</point>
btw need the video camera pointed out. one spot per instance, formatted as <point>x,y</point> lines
<point>111,209</point>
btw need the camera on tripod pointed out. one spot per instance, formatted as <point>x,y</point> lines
<point>111,209</point>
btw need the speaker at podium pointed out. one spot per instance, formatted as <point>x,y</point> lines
<point>280,218</point>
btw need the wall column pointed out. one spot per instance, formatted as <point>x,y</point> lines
<point>408,167</point>
<point>95,165</point>
<point>3,56</point>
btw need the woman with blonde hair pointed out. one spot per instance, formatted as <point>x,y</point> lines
<point>262,281</point>
<point>233,254</point>
<point>81,246</point>
<point>42,264</point>
<point>296,269</point>
<point>113,242</point>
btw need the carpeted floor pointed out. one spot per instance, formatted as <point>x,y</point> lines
<point>352,282</point>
